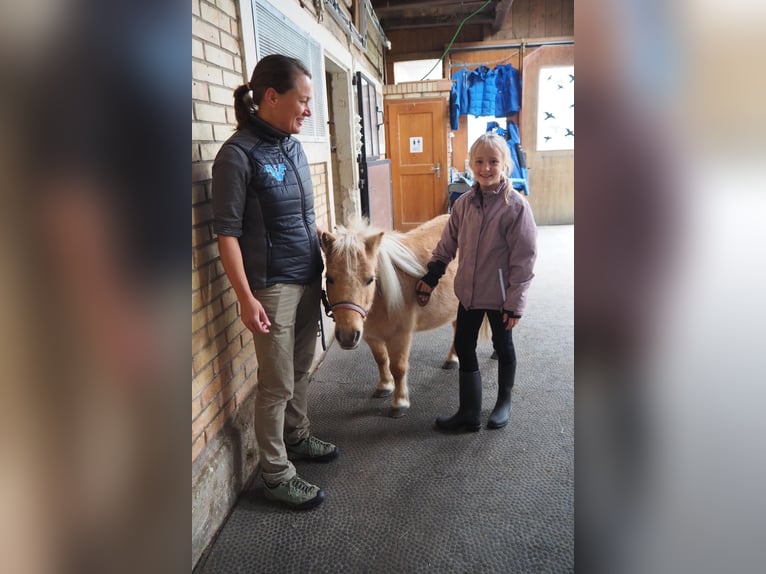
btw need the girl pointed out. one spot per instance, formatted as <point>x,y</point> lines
<point>494,229</point>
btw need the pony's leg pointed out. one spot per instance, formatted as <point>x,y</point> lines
<point>385,385</point>
<point>399,353</point>
<point>451,361</point>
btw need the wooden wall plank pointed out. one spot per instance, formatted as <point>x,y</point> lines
<point>537,19</point>
<point>520,18</point>
<point>567,18</point>
<point>553,17</point>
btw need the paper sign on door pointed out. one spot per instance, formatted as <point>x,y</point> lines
<point>416,144</point>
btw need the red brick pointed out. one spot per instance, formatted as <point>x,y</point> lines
<point>202,171</point>
<point>213,113</point>
<point>199,340</point>
<point>242,357</point>
<point>210,13</point>
<point>202,212</point>
<point>207,73</point>
<point>199,424</point>
<point>219,324</point>
<point>226,356</point>
<point>227,6</point>
<point>217,423</point>
<point>231,44</point>
<point>208,353</point>
<point>210,392</point>
<point>198,446</point>
<point>222,132</point>
<point>205,31</point>
<point>203,253</point>
<point>201,318</point>
<point>218,57</point>
<point>200,236</point>
<point>232,80</point>
<point>247,387</point>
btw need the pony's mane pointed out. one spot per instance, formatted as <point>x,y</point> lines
<point>393,255</point>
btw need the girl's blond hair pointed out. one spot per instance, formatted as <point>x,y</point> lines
<point>497,143</point>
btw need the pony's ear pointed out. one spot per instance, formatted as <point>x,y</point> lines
<point>372,243</point>
<point>326,240</point>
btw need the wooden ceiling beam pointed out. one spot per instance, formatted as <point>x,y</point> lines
<point>407,24</point>
<point>441,7</point>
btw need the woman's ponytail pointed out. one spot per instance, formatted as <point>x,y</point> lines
<point>243,105</point>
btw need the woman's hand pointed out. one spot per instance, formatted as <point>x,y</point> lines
<point>254,316</point>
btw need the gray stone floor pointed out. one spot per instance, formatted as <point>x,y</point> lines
<point>404,498</point>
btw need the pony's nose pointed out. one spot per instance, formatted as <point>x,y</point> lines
<point>348,339</point>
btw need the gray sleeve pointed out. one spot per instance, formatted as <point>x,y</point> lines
<point>522,238</point>
<point>231,172</point>
<point>446,249</point>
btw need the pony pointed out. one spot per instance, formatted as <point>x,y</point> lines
<point>370,294</point>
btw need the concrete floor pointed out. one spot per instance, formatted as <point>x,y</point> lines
<point>404,498</point>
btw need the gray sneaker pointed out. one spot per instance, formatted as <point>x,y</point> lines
<point>295,493</point>
<point>313,449</point>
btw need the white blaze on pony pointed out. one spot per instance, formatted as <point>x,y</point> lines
<point>371,277</point>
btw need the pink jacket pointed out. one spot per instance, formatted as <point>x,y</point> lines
<point>497,246</point>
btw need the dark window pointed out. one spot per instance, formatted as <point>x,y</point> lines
<point>371,114</point>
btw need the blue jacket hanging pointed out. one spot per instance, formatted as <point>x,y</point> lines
<point>458,98</point>
<point>482,91</point>
<point>519,173</point>
<point>485,92</point>
<point>508,100</point>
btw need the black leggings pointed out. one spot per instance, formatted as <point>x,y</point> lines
<point>467,333</point>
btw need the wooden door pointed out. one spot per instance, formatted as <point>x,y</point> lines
<point>416,140</point>
<point>551,172</point>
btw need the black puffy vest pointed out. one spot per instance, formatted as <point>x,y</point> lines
<point>279,240</point>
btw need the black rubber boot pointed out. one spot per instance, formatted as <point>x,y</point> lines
<point>467,417</point>
<point>502,411</point>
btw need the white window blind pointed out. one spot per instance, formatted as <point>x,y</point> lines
<point>276,34</point>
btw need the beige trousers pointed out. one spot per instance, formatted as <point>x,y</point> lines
<point>285,355</point>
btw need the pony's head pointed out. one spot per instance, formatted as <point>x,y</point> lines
<point>351,271</point>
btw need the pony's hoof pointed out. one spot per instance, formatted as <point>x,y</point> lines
<point>380,393</point>
<point>450,365</point>
<point>397,412</point>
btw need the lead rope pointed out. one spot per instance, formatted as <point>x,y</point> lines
<point>326,304</point>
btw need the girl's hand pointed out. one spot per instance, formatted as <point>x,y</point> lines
<point>423,293</point>
<point>510,322</point>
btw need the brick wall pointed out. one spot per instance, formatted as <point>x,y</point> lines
<point>223,356</point>
<point>406,90</point>
<point>321,195</point>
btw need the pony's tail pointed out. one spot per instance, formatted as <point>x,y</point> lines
<point>485,331</point>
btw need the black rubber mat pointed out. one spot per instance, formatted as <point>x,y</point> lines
<point>405,498</point>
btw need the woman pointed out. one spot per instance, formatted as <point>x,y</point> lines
<point>264,218</point>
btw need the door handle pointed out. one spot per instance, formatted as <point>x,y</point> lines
<point>438,170</point>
